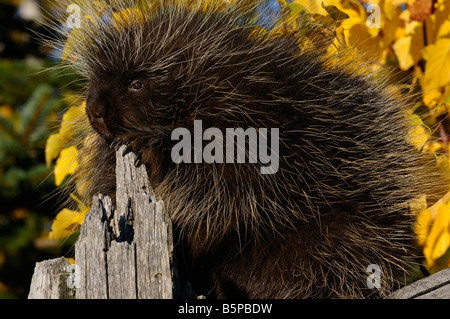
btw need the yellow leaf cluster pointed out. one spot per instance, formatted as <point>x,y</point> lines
<point>62,147</point>
<point>433,228</point>
<point>56,147</point>
<point>68,221</point>
<point>127,16</point>
<point>436,79</point>
<point>420,135</point>
<point>402,38</point>
<point>66,164</point>
<point>418,41</point>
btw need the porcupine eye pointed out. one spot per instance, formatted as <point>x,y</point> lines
<point>136,86</point>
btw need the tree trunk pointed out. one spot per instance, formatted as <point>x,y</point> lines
<point>121,253</point>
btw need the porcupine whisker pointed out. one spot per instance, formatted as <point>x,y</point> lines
<point>138,160</point>
<point>118,144</point>
<point>115,143</point>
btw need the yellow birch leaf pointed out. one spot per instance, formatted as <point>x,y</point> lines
<point>67,52</point>
<point>437,236</point>
<point>408,49</point>
<point>71,260</point>
<point>444,30</point>
<point>66,164</point>
<point>418,208</point>
<point>413,119</point>
<point>52,148</point>
<point>76,40</point>
<point>431,97</point>
<point>438,241</point>
<point>73,121</point>
<point>423,226</point>
<point>128,16</point>
<point>313,6</point>
<point>402,50</point>
<point>437,70</point>
<point>335,13</point>
<point>434,146</point>
<point>390,9</point>
<point>359,37</point>
<point>66,223</point>
<point>434,24</point>
<point>353,18</point>
<point>418,136</point>
<point>442,244</point>
<point>435,208</point>
<point>391,22</point>
<point>358,34</point>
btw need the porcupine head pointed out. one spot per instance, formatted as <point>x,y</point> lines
<point>325,172</point>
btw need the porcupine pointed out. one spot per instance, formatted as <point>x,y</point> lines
<point>346,171</point>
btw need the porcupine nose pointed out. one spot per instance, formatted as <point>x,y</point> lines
<point>95,111</point>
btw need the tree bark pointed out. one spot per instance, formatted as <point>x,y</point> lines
<point>121,253</point>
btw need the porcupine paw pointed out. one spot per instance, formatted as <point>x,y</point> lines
<point>130,147</point>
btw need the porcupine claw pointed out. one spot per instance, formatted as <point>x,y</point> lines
<point>116,143</point>
<point>127,150</point>
<point>113,143</point>
<point>119,144</point>
<point>138,160</point>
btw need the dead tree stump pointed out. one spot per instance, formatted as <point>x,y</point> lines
<point>121,253</point>
<point>51,280</point>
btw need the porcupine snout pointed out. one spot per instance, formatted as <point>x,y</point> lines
<point>97,111</point>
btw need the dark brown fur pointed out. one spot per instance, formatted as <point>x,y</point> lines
<point>337,203</point>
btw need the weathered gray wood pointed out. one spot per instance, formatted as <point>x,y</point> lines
<point>152,229</point>
<point>126,253</point>
<point>91,255</point>
<point>122,271</point>
<point>52,280</point>
<point>121,253</point>
<point>436,286</point>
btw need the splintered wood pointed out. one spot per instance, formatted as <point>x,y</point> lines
<point>121,253</point>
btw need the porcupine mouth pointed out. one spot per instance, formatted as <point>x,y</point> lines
<point>98,125</point>
<point>157,137</point>
<point>110,135</point>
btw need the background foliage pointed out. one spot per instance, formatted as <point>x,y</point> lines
<point>413,41</point>
<point>31,106</point>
